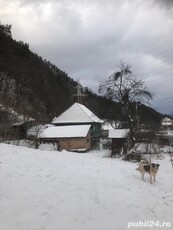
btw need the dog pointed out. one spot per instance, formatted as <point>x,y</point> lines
<point>151,169</point>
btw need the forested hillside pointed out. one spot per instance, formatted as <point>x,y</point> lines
<point>27,82</point>
<point>35,87</point>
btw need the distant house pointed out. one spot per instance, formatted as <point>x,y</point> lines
<point>165,135</point>
<point>106,127</point>
<point>79,115</point>
<point>69,137</point>
<point>118,137</point>
<point>19,129</point>
<point>167,122</point>
<point>13,125</point>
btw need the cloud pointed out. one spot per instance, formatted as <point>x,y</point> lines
<point>168,4</point>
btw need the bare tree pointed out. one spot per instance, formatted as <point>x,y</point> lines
<point>123,88</point>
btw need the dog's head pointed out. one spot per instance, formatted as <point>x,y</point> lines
<point>155,166</point>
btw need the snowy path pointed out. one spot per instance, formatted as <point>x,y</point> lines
<point>43,190</point>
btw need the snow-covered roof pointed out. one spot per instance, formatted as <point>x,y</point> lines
<point>36,130</point>
<point>118,133</point>
<point>77,113</point>
<point>65,131</point>
<point>107,125</point>
<point>167,121</point>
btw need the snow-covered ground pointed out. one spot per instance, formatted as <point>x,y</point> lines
<point>48,190</point>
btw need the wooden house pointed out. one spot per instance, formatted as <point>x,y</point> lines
<point>167,123</point>
<point>79,115</point>
<point>19,129</point>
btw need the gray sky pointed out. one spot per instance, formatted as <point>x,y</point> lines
<point>88,39</point>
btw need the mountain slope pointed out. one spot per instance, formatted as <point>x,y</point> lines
<point>30,83</point>
<point>35,87</point>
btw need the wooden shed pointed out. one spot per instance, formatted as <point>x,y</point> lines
<point>118,137</point>
<point>72,138</point>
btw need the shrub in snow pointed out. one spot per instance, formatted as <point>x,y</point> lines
<point>132,156</point>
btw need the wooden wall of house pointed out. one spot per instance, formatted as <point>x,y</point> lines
<point>74,143</point>
<point>70,143</point>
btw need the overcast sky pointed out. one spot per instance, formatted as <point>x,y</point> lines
<point>88,38</point>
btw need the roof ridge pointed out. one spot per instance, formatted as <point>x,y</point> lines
<point>77,113</point>
<point>84,111</point>
<point>62,113</point>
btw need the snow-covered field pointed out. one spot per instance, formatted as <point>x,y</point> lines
<point>48,190</point>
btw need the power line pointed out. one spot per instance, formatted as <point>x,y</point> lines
<point>164,99</point>
<point>151,50</point>
<point>151,59</point>
<point>151,71</point>
<point>160,54</point>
